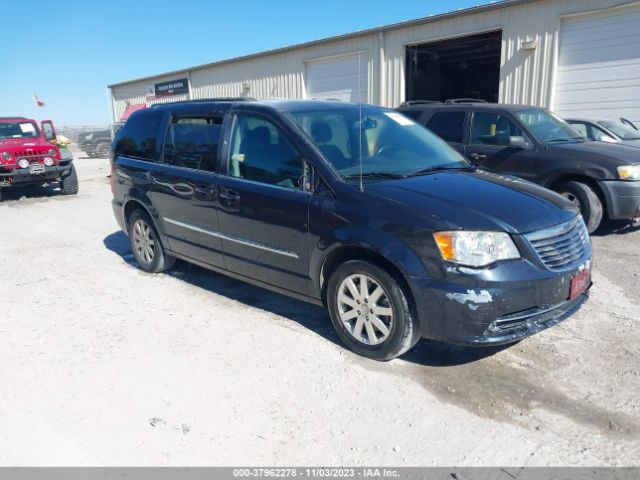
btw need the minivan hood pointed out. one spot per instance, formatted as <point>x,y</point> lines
<point>617,153</point>
<point>460,199</point>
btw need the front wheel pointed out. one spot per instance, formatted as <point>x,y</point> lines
<point>145,244</point>
<point>370,311</point>
<point>584,198</point>
<point>69,182</point>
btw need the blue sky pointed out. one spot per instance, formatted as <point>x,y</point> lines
<point>67,52</point>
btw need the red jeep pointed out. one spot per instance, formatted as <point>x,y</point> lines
<point>28,156</point>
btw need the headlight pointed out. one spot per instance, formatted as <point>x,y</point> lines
<point>48,161</point>
<point>6,155</point>
<point>23,163</point>
<point>629,172</point>
<point>475,249</point>
<point>52,152</point>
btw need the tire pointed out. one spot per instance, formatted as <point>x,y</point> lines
<point>402,327</point>
<point>151,257</point>
<point>583,196</point>
<point>69,181</point>
<point>103,150</point>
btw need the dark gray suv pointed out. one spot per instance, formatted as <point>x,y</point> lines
<point>533,143</point>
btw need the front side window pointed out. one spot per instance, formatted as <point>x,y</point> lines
<point>549,128</point>
<point>138,137</point>
<point>489,128</point>
<point>192,142</point>
<point>260,152</point>
<point>448,125</point>
<point>18,130</point>
<point>374,141</point>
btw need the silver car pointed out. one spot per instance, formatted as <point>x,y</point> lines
<point>611,131</point>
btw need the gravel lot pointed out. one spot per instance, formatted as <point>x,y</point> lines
<point>101,364</point>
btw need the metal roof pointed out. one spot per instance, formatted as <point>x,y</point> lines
<point>394,26</point>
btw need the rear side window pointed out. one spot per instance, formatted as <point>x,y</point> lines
<point>448,125</point>
<point>138,137</point>
<point>192,142</point>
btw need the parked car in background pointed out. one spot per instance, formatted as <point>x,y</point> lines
<point>357,208</point>
<point>532,143</point>
<point>610,131</point>
<point>28,156</point>
<point>96,143</point>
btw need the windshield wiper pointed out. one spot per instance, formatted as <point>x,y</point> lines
<point>559,140</point>
<point>441,168</point>
<point>377,175</point>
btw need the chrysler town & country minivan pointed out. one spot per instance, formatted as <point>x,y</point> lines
<point>354,207</point>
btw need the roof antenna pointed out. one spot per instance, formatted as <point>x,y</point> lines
<point>360,123</point>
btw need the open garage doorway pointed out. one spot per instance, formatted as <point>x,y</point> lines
<point>463,67</point>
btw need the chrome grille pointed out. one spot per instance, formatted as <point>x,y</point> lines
<point>562,247</point>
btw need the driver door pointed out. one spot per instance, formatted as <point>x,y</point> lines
<point>490,145</point>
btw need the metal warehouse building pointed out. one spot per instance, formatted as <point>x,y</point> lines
<point>577,57</point>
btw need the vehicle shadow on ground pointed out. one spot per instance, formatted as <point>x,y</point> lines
<point>617,227</point>
<point>312,317</point>
<point>30,191</point>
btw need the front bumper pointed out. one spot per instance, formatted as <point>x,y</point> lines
<point>623,198</point>
<point>18,176</point>
<point>500,305</point>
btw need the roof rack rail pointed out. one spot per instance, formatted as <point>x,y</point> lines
<point>465,100</point>
<point>408,103</point>
<point>17,117</point>
<point>205,100</point>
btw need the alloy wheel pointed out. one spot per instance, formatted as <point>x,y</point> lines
<point>144,242</point>
<point>365,309</point>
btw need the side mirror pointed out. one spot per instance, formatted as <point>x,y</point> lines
<point>517,141</point>
<point>48,130</point>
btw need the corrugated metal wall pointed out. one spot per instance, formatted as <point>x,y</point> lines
<point>526,76</point>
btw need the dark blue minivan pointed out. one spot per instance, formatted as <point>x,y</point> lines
<point>354,207</point>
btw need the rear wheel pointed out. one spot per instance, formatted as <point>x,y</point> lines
<point>584,198</point>
<point>69,181</point>
<point>103,150</point>
<point>145,244</point>
<point>370,311</point>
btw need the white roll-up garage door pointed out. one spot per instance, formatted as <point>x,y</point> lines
<point>599,65</point>
<point>341,78</point>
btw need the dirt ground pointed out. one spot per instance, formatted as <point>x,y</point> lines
<point>101,364</point>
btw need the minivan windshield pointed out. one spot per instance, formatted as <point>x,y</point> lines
<point>18,130</point>
<point>621,130</point>
<point>380,142</point>
<point>549,128</point>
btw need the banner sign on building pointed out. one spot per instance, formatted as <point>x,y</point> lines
<point>174,87</point>
<point>151,91</point>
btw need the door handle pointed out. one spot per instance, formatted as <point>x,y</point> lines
<point>478,156</point>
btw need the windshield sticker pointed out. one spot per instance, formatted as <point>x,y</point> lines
<point>399,118</point>
<point>27,128</point>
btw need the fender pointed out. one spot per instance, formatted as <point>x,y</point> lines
<point>138,196</point>
<point>374,240</point>
<point>561,169</point>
